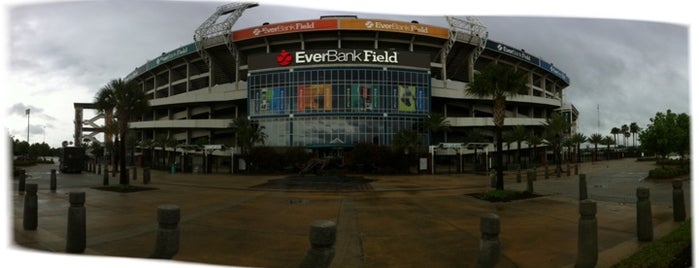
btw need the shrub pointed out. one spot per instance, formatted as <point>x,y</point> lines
<point>661,252</point>
<point>668,172</point>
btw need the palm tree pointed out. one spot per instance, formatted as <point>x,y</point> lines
<point>615,131</point>
<point>436,123</point>
<point>554,127</point>
<point>125,99</point>
<point>577,139</point>
<point>407,140</point>
<point>171,142</point>
<point>498,81</point>
<point>508,138</point>
<point>595,139</point>
<point>634,129</point>
<point>624,131</point>
<point>533,140</point>
<point>247,133</point>
<point>519,134</point>
<point>608,140</point>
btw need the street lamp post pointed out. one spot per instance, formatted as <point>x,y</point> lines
<point>27,112</point>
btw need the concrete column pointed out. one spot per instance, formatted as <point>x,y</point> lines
<point>22,184</point>
<point>644,221</point>
<point>53,180</point>
<point>31,208</point>
<point>678,208</point>
<point>582,186</point>
<point>322,237</point>
<point>76,236</point>
<point>489,253</point>
<point>167,241</point>
<point>587,235</point>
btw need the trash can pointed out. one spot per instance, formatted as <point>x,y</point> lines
<point>172,169</point>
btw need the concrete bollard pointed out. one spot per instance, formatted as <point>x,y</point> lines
<point>678,208</point>
<point>489,253</point>
<point>582,186</point>
<point>587,235</point>
<point>530,182</point>
<point>76,236</point>
<point>22,184</point>
<point>146,175</point>
<point>53,180</point>
<point>31,208</point>
<point>644,220</point>
<point>105,176</point>
<point>135,173</point>
<point>322,237</point>
<point>167,240</point>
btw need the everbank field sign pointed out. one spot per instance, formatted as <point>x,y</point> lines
<point>338,56</point>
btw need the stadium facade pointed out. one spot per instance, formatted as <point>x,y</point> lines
<point>335,81</point>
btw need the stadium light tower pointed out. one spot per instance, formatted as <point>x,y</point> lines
<point>210,29</point>
<point>470,30</point>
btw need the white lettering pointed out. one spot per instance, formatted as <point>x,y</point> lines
<point>334,56</point>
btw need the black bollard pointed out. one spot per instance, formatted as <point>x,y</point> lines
<point>53,180</point>
<point>22,181</point>
<point>31,208</point>
<point>587,235</point>
<point>167,240</point>
<point>644,222</point>
<point>582,186</point>
<point>146,175</point>
<point>489,253</point>
<point>76,235</point>
<point>322,237</point>
<point>678,208</point>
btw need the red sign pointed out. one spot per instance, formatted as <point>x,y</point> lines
<point>285,27</point>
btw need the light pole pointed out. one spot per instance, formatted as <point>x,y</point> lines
<point>27,112</point>
<point>44,141</point>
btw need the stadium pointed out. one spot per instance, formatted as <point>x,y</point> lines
<point>326,84</point>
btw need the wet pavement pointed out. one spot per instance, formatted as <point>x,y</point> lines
<point>399,221</point>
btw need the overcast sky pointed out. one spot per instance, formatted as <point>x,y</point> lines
<point>63,52</point>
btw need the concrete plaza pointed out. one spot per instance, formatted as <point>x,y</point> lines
<point>401,221</point>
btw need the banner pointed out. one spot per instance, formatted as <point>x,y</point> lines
<point>314,98</point>
<point>364,98</point>
<point>406,99</point>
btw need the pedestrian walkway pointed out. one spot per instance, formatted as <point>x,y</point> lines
<point>402,221</point>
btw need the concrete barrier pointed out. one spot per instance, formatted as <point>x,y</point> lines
<point>489,253</point>
<point>587,235</point>
<point>644,220</point>
<point>76,238</point>
<point>31,208</point>
<point>679,212</point>
<point>167,240</point>
<point>322,237</point>
<point>582,186</point>
<point>53,180</point>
